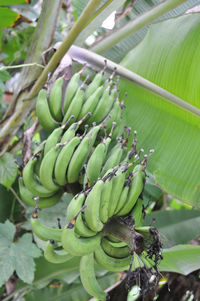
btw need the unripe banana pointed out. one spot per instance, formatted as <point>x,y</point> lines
<point>71,131</point>
<point>93,86</point>
<point>74,212</point>
<point>63,159</point>
<point>91,102</point>
<point>55,99</point>
<point>115,114</point>
<point>123,196</point>
<point>43,113</point>
<point>135,190</point>
<point>95,163</point>
<point>92,203</point>
<point>112,160</point>
<point>29,198</point>
<point>44,232</point>
<point>88,277</point>
<point>93,132</point>
<point>81,154</point>
<point>53,139</point>
<point>113,250</point>
<point>104,202</point>
<point>71,91</point>
<point>47,168</point>
<point>137,213</point>
<point>75,106</point>
<point>110,263</point>
<point>117,187</point>
<point>55,256</point>
<point>104,106</point>
<point>78,246</point>
<point>31,182</point>
<point>78,159</point>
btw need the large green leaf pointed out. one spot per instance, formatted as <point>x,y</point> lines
<point>177,227</point>
<point>169,57</point>
<point>124,44</point>
<point>8,17</point>
<point>13,2</point>
<point>182,259</point>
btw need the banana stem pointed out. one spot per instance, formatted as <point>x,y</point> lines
<point>97,61</point>
<point>134,25</point>
<point>124,232</point>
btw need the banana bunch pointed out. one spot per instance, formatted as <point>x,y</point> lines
<point>59,160</point>
<point>87,147</point>
<point>116,194</point>
<point>66,157</point>
<point>100,98</point>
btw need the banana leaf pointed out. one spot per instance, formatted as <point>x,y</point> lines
<point>169,57</point>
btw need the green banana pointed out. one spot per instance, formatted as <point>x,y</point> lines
<point>71,91</point>
<point>71,131</point>
<point>29,198</point>
<point>95,163</point>
<point>78,159</point>
<point>81,154</point>
<point>88,278</point>
<point>44,232</point>
<point>91,102</point>
<point>113,250</point>
<point>55,256</point>
<point>104,202</point>
<point>92,204</point>
<point>117,187</point>
<point>135,190</point>
<point>74,211</point>
<point>47,168</point>
<point>63,159</point>
<point>112,160</point>
<point>75,105</point>
<point>55,99</point>
<point>31,182</point>
<point>78,246</point>
<point>123,196</point>
<point>96,82</point>
<point>110,263</point>
<point>93,132</point>
<point>113,239</point>
<point>53,139</point>
<point>115,114</point>
<point>137,213</point>
<point>104,106</point>
<point>43,113</point>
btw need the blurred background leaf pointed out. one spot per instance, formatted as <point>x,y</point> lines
<point>182,259</point>
<point>175,227</point>
<point>172,62</point>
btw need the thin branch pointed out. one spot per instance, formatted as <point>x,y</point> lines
<point>66,44</point>
<point>88,57</point>
<point>21,66</point>
<point>17,197</point>
<point>134,25</point>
